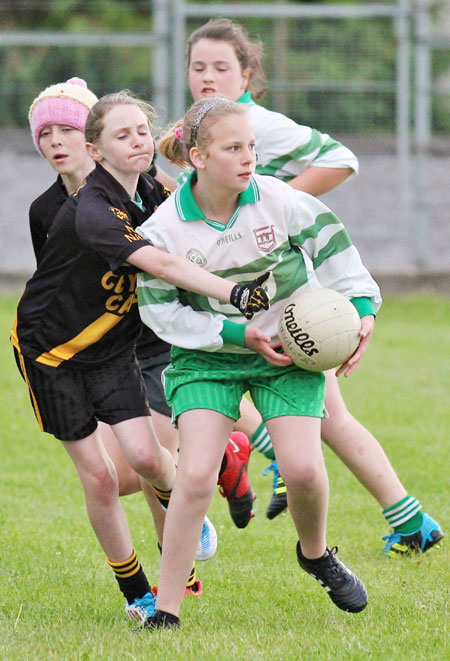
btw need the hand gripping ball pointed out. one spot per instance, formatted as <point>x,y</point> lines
<point>319,329</point>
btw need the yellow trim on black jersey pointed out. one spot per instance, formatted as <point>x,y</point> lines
<point>14,337</point>
<point>88,336</point>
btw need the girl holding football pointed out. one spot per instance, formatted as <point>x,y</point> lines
<point>217,218</point>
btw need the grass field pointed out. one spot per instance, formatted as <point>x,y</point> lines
<point>60,601</point>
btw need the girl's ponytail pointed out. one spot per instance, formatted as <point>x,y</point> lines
<point>172,146</point>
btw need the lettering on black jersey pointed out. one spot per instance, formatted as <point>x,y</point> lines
<point>119,213</point>
<point>132,234</point>
<point>123,292</point>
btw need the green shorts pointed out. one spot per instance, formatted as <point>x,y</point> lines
<point>217,381</point>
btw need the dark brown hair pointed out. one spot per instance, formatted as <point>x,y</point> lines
<point>248,51</point>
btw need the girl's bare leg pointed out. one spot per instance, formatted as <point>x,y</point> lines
<point>165,432</point>
<point>250,418</point>
<point>101,489</point>
<point>129,481</point>
<point>157,510</point>
<point>298,449</point>
<point>203,437</point>
<point>144,453</point>
<point>358,448</point>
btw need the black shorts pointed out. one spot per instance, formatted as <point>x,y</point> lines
<point>151,369</point>
<point>68,402</point>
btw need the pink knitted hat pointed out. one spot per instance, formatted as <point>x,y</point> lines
<point>65,103</point>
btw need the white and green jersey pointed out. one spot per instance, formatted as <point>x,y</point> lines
<point>274,228</point>
<point>285,149</point>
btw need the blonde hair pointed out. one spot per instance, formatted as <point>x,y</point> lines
<point>95,119</point>
<point>249,52</point>
<point>194,128</point>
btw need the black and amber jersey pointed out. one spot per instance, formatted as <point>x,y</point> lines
<point>43,212</point>
<point>79,308</point>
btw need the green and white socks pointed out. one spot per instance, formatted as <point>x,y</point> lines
<point>405,516</point>
<point>260,440</point>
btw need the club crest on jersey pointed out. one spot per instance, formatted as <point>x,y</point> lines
<point>265,238</point>
<point>118,213</point>
<point>195,256</point>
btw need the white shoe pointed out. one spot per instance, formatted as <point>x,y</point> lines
<point>207,545</point>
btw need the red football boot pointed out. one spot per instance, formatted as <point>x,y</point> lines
<point>195,590</point>
<point>234,483</point>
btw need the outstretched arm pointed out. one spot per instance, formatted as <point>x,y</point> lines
<point>182,273</point>
<point>318,180</point>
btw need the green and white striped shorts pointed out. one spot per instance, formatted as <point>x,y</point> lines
<point>217,381</point>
